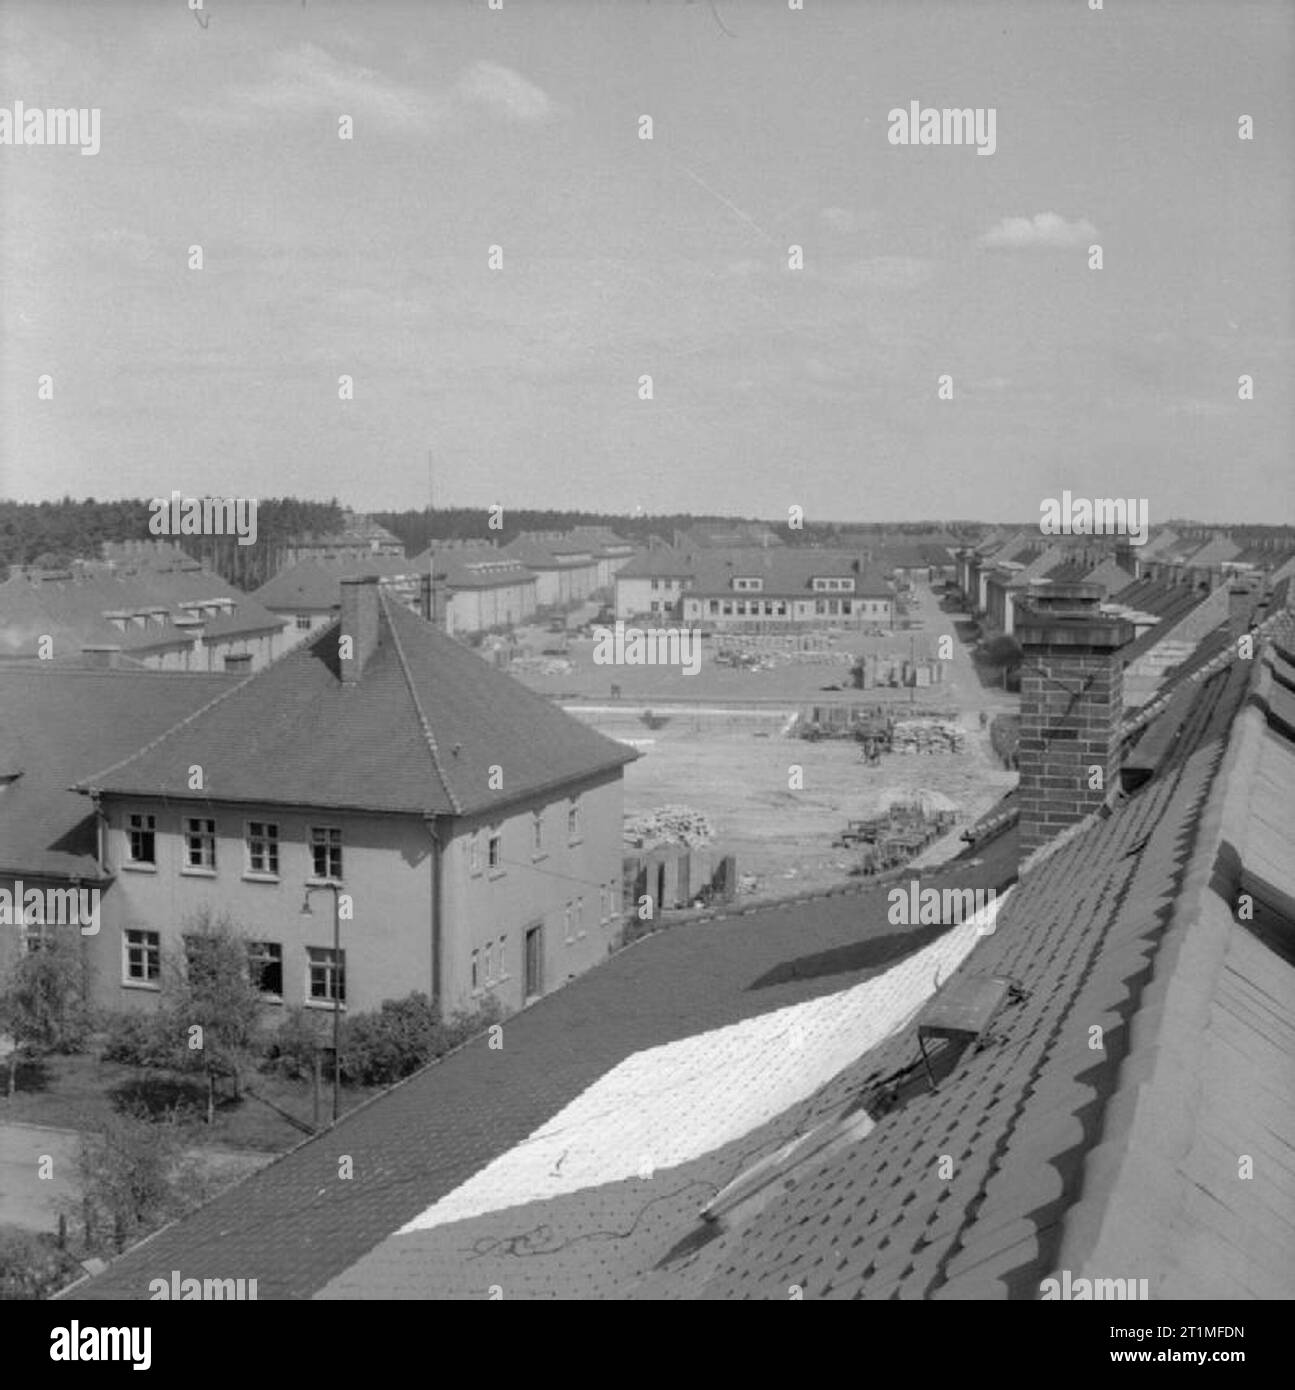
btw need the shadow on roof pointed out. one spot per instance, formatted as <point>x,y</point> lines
<point>873,954</point>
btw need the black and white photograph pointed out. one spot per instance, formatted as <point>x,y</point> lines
<point>647,653</point>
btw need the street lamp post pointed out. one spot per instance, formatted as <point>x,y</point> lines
<point>337,980</point>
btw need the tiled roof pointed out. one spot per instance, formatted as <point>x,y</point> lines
<point>964,1191</point>
<point>786,571</point>
<point>58,725</point>
<point>293,1226</point>
<point>547,555</point>
<point>602,539</point>
<point>418,734</point>
<point>73,611</point>
<point>1170,609</point>
<point>316,584</point>
<point>1014,1119</point>
<point>1158,541</point>
<point>1036,565</point>
<point>664,562</point>
<point>1214,552</point>
<point>475,569</point>
<point>1208,1078</point>
<point>1037,1151</point>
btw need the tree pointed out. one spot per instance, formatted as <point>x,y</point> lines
<point>1003,653</point>
<point>214,1013</point>
<point>133,1178</point>
<point>43,1003</point>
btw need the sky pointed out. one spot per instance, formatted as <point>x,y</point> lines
<point>772,387</point>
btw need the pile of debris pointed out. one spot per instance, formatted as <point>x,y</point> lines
<point>899,834</point>
<point>767,651</point>
<point>539,665</point>
<point>926,736</point>
<point>675,825</point>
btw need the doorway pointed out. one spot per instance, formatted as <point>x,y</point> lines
<point>533,963</point>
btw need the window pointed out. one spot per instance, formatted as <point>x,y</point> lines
<point>728,608</point>
<point>262,847</point>
<point>573,819</point>
<point>303,622</point>
<point>476,970</point>
<point>566,924</point>
<point>714,607</point>
<point>580,917</point>
<point>847,606</point>
<point>474,853</point>
<point>656,584</point>
<point>200,843</point>
<point>143,957</point>
<point>326,974</point>
<point>499,958</point>
<point>37,936</point>
<point>604,905</point>
<point>495,850</point>
<point>326,852</point>
<point>782,609</point>
<point>143,839</point>
<point>265,967</point>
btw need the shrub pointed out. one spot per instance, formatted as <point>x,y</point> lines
<point>137,1039</point>
<point>385,1045</point>
<point>293,1045</point>
<point>1005,737</point>
<point>32,1266</point>
<point>133,1178</point>
<point>43,1002</point>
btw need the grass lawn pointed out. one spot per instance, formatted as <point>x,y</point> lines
<point>81,1092</point>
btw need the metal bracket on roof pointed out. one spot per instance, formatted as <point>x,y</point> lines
<point>962,1011</point>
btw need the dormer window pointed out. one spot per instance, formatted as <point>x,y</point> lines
<point>748,582</point>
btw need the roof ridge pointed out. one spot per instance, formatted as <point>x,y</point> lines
<point>1229,654</point>
<point>428,735</point>
<point>87,783</point>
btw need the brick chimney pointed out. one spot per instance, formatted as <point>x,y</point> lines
<point>360,621</point>
<point>1071,704</point>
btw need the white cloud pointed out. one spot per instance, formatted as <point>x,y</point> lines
<point>308,82</point>
<point>505,92</point>
<point>1043,229</point>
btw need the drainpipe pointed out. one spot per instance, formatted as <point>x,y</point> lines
<point>438,878</point>
<point>100,832</point>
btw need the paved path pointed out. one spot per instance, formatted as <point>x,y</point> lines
<point>26,1199</point>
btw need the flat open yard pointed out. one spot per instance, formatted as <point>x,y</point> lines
<point>725,754</point>
<point>735,768</point>
<point>796,683</point>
